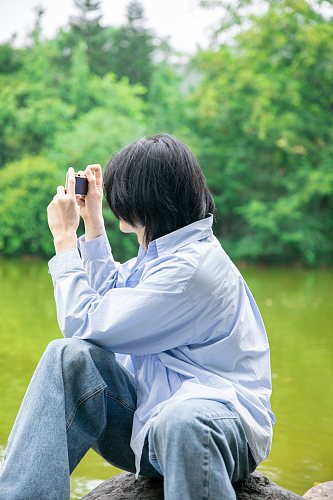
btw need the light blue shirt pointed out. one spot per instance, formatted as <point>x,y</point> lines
<point>180,317</point>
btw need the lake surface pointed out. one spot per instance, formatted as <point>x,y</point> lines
<point>297,307</point>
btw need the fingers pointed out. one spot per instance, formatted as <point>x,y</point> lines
<point>71,182</point>
<point>80,201</point>
<point>91,179</point>
<point>97,171</point>
<point>61,193</point>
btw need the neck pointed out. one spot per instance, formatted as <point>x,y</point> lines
<point>140,234</point>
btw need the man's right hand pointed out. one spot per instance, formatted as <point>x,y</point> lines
<point>91,204</point>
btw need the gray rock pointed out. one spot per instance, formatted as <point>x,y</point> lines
<point>259,487</point>
<point>320,492</point>
<point>124,487</point>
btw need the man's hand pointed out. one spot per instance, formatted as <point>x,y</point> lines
<point>91,205</point>
<point>64,216</point>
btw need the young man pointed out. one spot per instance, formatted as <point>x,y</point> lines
<point>165,367</point>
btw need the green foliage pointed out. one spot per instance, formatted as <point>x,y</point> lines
<point>116,119</point>
<point>79,82</point>
<point>9,59</point>
<point>265,116</point>
<point>86,28</point>
<point>256,109</point>
<point>29,118</point>
<point>132,48</point>
<point>27,187</point>
<point>94,138</point>
<point>166,102</point>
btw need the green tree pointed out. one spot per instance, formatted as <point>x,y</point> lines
<point>79,81</point>
<point>86,27</point>
<point>168,107</point>
<point>30,116</point>
<point>27,187</point>
<point>133,47</point>
<point>10,60</point>
<point>265,118</point>
<point>117,118</point>
<point>37,100</point>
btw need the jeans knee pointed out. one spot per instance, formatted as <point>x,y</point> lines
<point>75,365</point>
<point>68,352</point>
<point>59,346</point>
<point>75,356</point>
<point>62,342</point>
<point>175,423</point>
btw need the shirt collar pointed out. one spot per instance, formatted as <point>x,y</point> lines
<point>142,254</point>
<point>169,243</point>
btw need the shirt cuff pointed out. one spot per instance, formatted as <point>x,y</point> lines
<point>65,261</point>
<point>98,248</point>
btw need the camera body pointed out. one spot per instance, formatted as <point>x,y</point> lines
<point>81,184</point>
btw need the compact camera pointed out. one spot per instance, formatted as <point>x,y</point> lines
<point>81,184</point>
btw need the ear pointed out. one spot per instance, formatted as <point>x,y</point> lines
<point>125,227</point>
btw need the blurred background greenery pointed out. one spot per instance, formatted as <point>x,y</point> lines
<point>256,107</point>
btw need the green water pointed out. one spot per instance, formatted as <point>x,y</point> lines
<point>297,307</point>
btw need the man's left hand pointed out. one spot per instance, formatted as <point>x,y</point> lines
<point>63,216</point>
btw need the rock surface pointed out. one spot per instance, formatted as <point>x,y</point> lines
<point>323,491</point>
<point>124,487</point>
<point>259,487</point>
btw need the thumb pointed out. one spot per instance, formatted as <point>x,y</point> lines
<point>80,202</point>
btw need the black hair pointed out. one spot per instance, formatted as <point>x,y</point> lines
<point>158,183</point>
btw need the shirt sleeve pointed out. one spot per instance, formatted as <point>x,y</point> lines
<point>153,317</point>
<point>101,268</point>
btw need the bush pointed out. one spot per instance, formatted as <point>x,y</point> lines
<point>27,187</point>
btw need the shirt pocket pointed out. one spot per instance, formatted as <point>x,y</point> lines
<point>222,410</point>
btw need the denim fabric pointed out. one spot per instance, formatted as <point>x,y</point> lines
<point>200,448</point>
<point>80,397</point>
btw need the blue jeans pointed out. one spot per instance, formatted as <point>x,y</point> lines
<point>80,397</point>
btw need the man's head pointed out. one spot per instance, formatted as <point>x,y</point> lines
<point>157,183</point>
